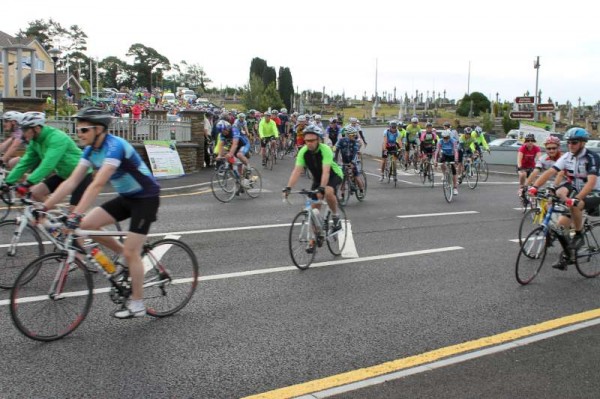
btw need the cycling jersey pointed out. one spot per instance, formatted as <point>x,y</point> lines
<point>333,133</point>
<point>479,140</point>
<point>267,129</point>
<point>545,162</point>
<point>284,121</point>
<point>300,134</point>
<point>412,132</point>
<point>132,179</point>
<point>448,148</point>
<point>52,151</point>
<point>465,142</point>
<point>392,137</point>
<point>240,125</point>
<point>348,148</point>
<point>428,139</point>
<point>235,133</point>
<point>528,160</point>
<point>577,168</point>
<point>314,161</point>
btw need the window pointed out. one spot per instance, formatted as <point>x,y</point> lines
<point>1,56</point>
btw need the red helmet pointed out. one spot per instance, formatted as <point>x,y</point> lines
<point>552,140</point>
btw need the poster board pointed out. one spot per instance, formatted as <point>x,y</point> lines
<point>164,159</point>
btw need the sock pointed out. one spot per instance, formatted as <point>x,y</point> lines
<point>136,305</point>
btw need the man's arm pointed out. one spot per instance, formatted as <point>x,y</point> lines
<point>95,187</point>
<point>57,147</point>
<point>69,185</point>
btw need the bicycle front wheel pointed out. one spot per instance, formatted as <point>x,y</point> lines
<point>51,298</point>
<point>530,220</point>
<point>472,176</point>
<point>254,185</point>
<point>344,191</point>
<point>302,241</point>
<point>484,170</point>
<point>531,255</point>
<point>447,184</point>
<point>362,196</point>
<point>336,240</point>
<point>588,263</point>
<point>223,185</point>
<point>16,253</point>
<point>430,174</point>
<point>270,158</point>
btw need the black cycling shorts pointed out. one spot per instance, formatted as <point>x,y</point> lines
<point>142,212</point>
<point>334,181</point>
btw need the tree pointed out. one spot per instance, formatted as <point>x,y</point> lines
<point>145,59</point>
<point>257,67</point>
<point>191,75</point>
<point>269,76</point>
<point>286,87</point>
<point>260,97</point>
<point>114,73</point>
<point>509,124</point>
<point>480,104</point>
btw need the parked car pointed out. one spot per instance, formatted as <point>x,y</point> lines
<point>504,142</point>
<point>593,144</point>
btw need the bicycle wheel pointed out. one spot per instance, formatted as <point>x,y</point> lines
<point>531,256</point>
<point>447,184</point>
<point>394,172</point>
<point>171,276</point>
<point>423,172</point>
<point>587,261</point>
<point>302,241</point>
<point>16,253</point>
<point>386,170</point>
<point>336,241</point>
<point>484,170</point>
<point>254,186</point>
<point>344,191</point>
<point>362,196</point>
<point>50,298</point>
<point>223,185</point>
<point>430,175</point>
<point>472,176</point>
<point>270,158</point>
<point>6,199</point>
<point>530,220</point>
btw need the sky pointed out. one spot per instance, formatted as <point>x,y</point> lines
<point>457,46</point>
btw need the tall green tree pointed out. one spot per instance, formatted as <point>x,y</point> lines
<point>269,76</point>
<point>260,97</point>
<point>145,59</point>
<point>115,73</point>
<point>286,87</point>
<point>480,104</point>
<point>257,67</point>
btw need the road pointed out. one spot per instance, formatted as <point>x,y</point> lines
<point>420,289</point>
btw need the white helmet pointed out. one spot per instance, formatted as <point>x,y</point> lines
<point>445,133</point>
<point>13,116</point>
<point>414,119</point>
<point>284,110</point>
<point>317,116</point>
<point>31,119</point>
<point>353,120</point>
<point>302,118</point>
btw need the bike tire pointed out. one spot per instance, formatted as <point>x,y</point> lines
<point>529,221</point>
<point>344,191</point>
<point>28,248</point>
<point>484,170</point>
<point>472,176</point>
<point>532,255</point>
<point>336,242</point>
<point>587,259</point>
<point>447,185</point>
<point>170,278</point>
<point>254,188</point>
<point>364,194</point>
<point>431,176</point>
<point>39,316</point>
<point>224,185</point>
<point>300,241</point>
<point>423,174</point>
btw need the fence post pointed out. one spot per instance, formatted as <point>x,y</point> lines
<point>197,121</point>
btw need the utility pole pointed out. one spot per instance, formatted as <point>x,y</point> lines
<point>536,66</point>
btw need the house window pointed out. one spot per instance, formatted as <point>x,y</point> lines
<point>40,65</point>
<point>1,56</point>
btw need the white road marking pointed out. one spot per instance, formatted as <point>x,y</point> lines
<point>6,302</point>
<point>158,254</point>
<point>424,215</point>
<point>350,248</point>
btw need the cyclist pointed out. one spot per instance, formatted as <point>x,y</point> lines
<point>390,144</point>
<point>333,131</point>
<point>299,128</point>
<point>10,146</point>
<point>527,156</point>
<point>241,125</point>
<point>465,150</point>
<point>428,141</point>
<point>252,124</point>
<point>547,160</point>
<point>354,123</point>
<point>327,175</point>
<point>349,148</point>
<point>411,138</point>
<point>447,151</point>
<point>52,153</point>
<point>115,160</point>
<point>453,132</point>
<point>267,130</point>
<point>479,141</point>
<point>582,189</point>
<point>234,142</point>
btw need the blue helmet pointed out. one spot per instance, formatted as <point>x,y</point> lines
<point>314,130</point>
<point>577,133</point>
<point>222,126</point>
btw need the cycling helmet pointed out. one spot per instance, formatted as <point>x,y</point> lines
<point>284,110</point>
<point>94,115</point>
<point>317,116</point>
<point>251,112</point>
<point>467,130</point>
<point>13,116</point>
<point>32,119</point>
<point>445,134</point>
<point>302,118</point>
<point>222,126</point>
<point>353,120</point>
<point>393,124</point>
<point>478,129</point>
<point>414,119</point>
<point>429,124</point>
<point>274,112</point>
<point>577,133</point>
<point>447,124</point>
<point>552,140</point>
<point>350,131</point>
<point>313,129</point>
<point>241,115</point>
<point>266,113</point>
<point>332,120</point>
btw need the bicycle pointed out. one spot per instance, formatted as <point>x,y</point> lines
<point>23,239</point>
<point>482,166</point>
<point>309,230</point>
<point>470,173</point>
<point>541,240</point>
<point>289,147</point>
<point>390,169</point>
<point>53,294</point>
<point>349,185</point>
<point>227,182</point>
<point>413,160</point>
<point>270,153</point>
<point>7,195</point>
<point>448,181</point>
<point>534,216</point>
<point>426,171</point>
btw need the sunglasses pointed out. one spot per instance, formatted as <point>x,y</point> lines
<point>310,140</point>
<point>551,148</point>
<point>530,141</point>
<point>573,141</point>
<point>84,129</point>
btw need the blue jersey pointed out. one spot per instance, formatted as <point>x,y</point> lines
<point>132,179</point>
<point>235,134</point>
<point>447,147</point>
<point>348,148</point>
<point>392,138</point>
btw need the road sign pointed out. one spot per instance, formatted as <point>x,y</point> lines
<point>525,100</point>
<point>521,115</point>
<point>545,107</point>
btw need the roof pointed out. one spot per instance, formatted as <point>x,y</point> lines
<point>45,81</point>
<point>7,40</point>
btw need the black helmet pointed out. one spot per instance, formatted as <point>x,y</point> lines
<point>94,115</point>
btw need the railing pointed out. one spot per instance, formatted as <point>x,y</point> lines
<point>136,131</point>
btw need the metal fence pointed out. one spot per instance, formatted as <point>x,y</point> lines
<point>136,131</point>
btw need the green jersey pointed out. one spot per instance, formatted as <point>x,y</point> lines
<point>314,161</point>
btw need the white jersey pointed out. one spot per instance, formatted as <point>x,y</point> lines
<point>578,168</point>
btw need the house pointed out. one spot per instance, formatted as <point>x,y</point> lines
<point>18,78</point>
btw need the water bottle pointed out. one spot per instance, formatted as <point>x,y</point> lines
<point>317,214</point>
<point>103,260</point>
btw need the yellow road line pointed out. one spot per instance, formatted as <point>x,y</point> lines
<point>427,357</point>
<point>181,195</point>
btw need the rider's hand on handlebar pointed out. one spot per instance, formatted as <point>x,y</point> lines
<point>73,221</point>
<point>23,189</point>
<point>532,191</point>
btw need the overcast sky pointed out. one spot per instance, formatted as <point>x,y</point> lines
<point>419,45</point>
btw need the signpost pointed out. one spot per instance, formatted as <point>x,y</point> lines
<point>525,100</point>
<point>521,115</point>
<point>545,107</point>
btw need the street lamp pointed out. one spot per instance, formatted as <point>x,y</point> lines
<point>54,54</point>
<point>536,66</point>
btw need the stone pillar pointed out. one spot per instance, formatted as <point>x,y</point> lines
<point>23,104</point>
<point>157,114</point>
<point>197,119</point>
